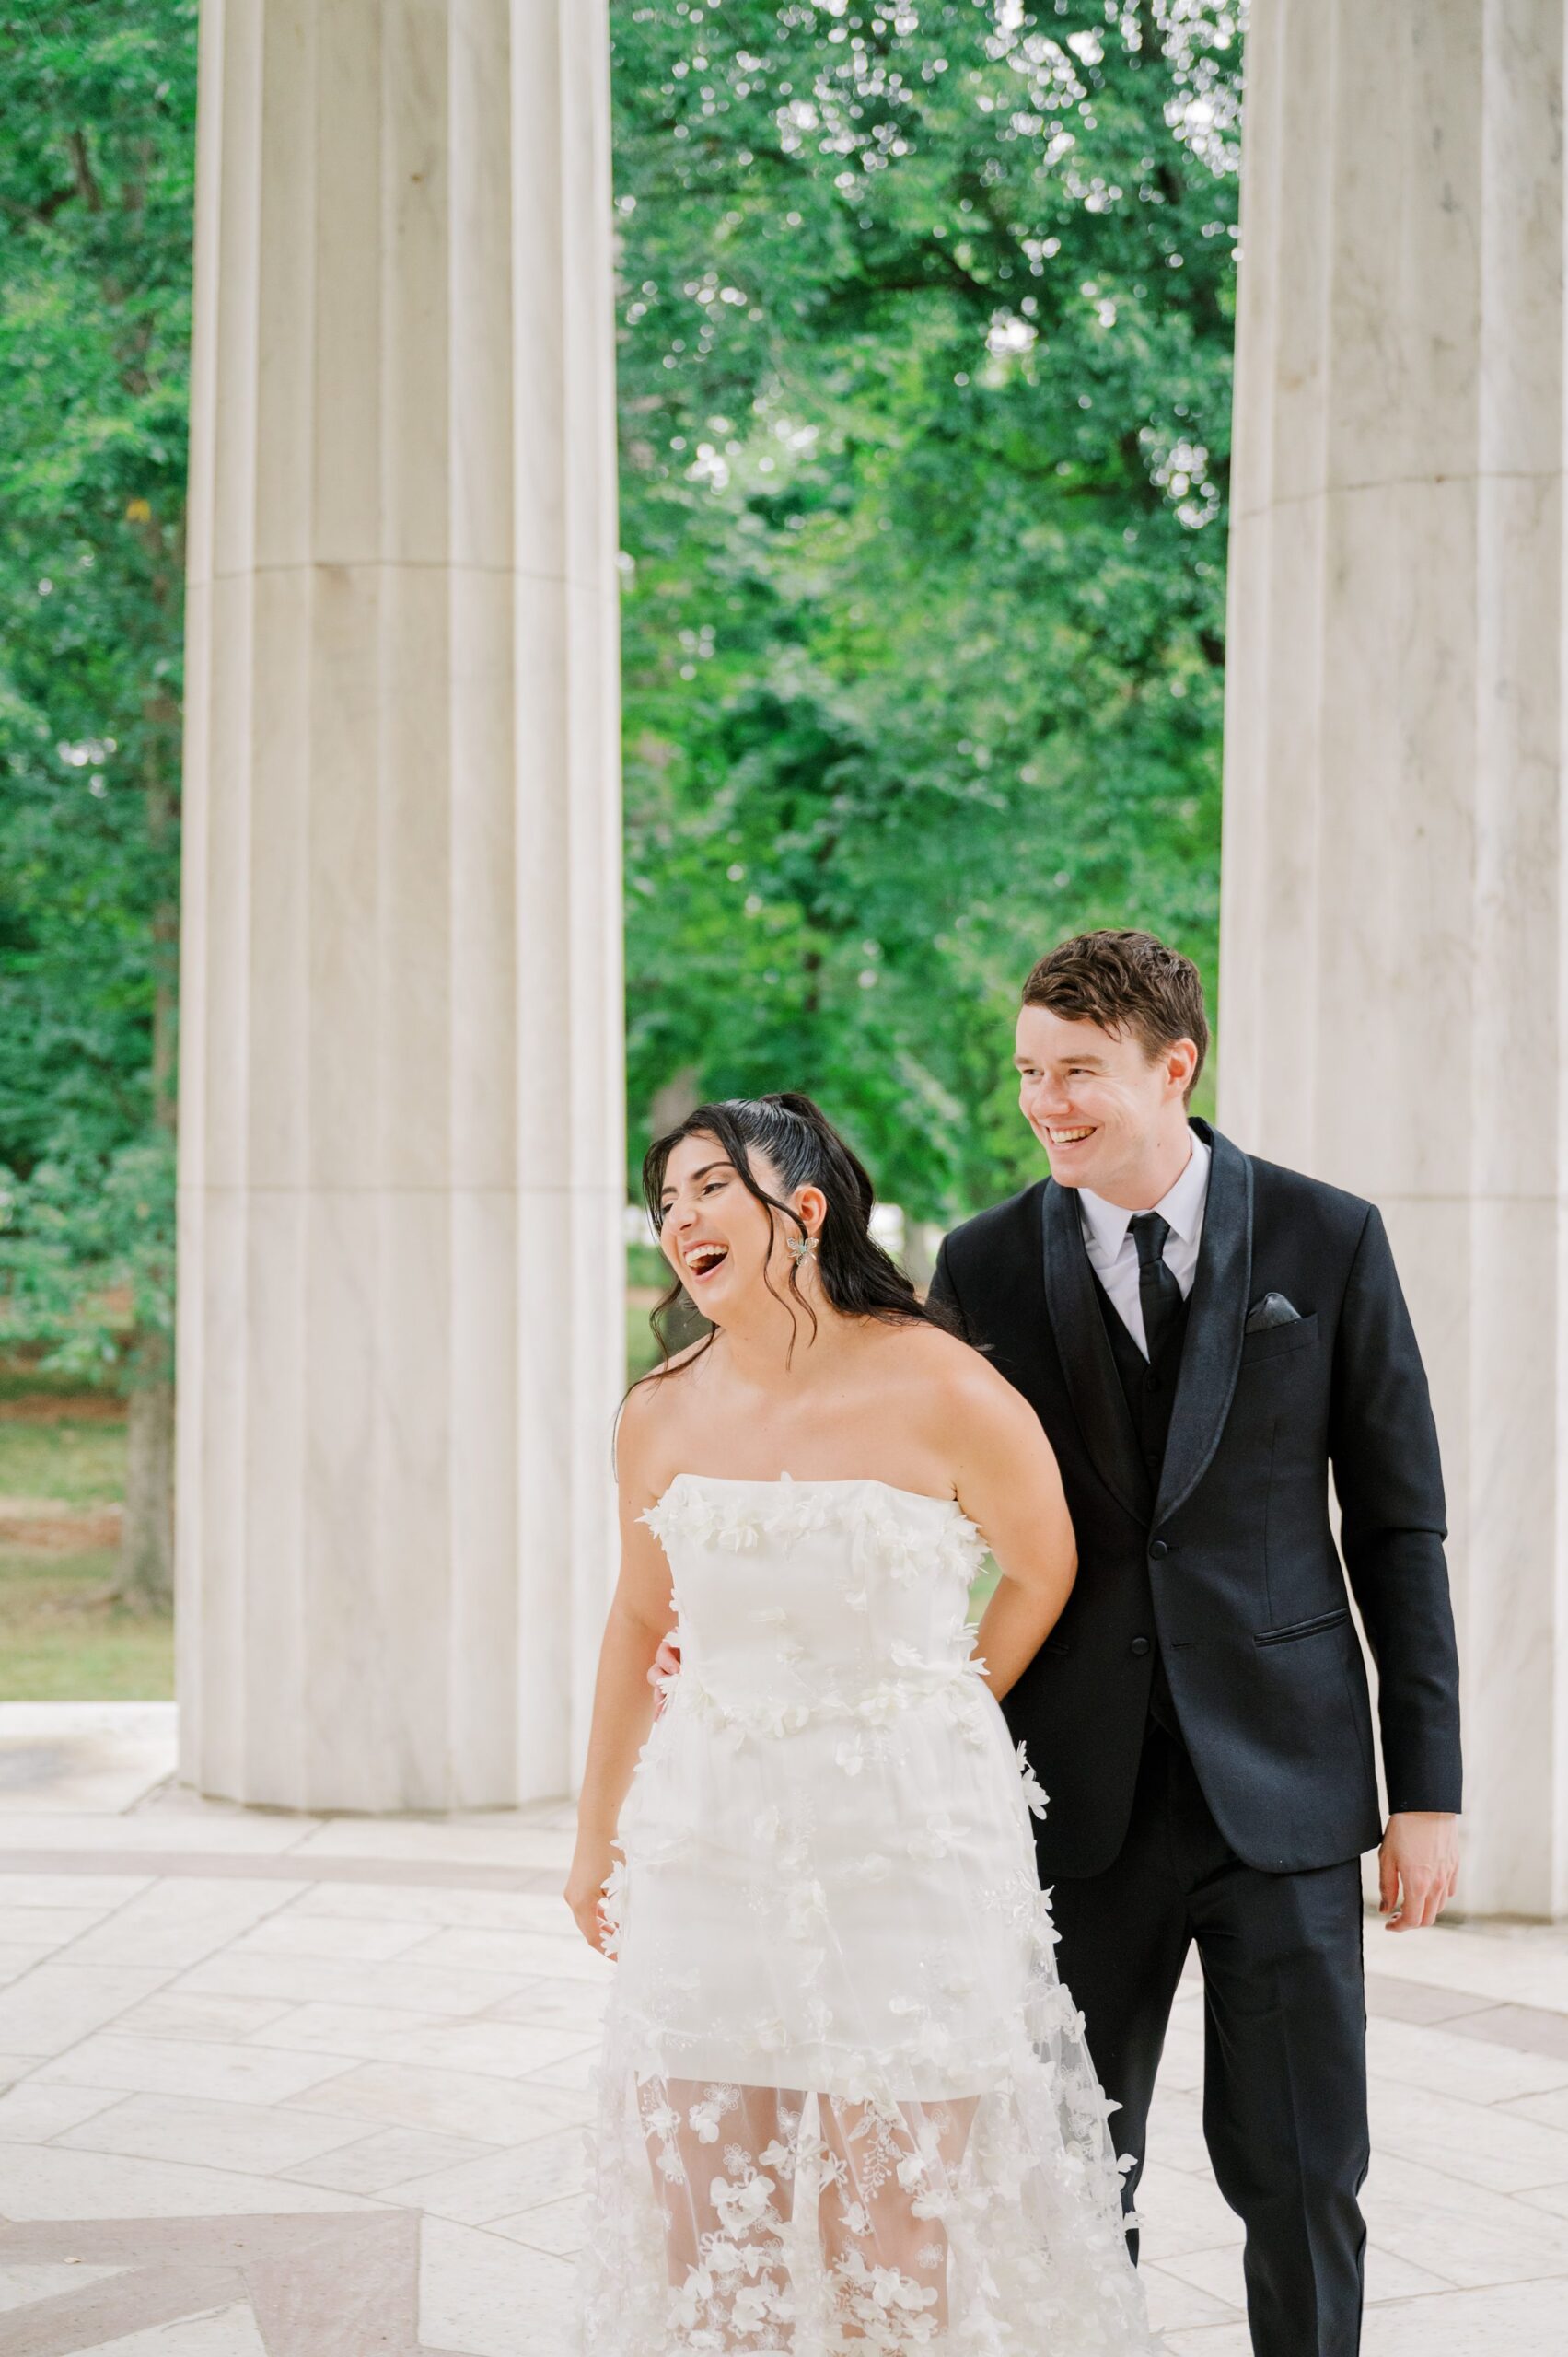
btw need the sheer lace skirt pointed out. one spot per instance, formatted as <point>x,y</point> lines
<point>844,2104</point>
<point>781,2223</point>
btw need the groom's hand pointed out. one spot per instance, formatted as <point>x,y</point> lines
<point>1418,1867</point>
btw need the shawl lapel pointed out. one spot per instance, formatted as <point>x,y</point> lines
<point>1216,1320</point>
<point>1098,1401</point>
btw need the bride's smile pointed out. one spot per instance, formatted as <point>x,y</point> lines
<point>723,1240</point>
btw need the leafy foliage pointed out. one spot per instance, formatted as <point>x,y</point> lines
<point>925,318</point>
<point>95,237</point>
<point>925,336</point>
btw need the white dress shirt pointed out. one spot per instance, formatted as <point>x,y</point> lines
<point>1113,1249</point>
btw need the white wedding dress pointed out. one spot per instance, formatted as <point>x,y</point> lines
<point>845,2105</point>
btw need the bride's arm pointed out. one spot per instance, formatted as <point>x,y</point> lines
<point>624,1702</point>
<point>1007,1481</point>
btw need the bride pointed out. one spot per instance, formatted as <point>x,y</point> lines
<point>845,2104</point>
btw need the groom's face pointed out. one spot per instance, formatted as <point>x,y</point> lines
<point>1097,1103</point>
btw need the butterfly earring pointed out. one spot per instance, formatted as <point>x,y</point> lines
<point>801,1249</point>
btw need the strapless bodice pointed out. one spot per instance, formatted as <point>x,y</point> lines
<point>803,1599</point>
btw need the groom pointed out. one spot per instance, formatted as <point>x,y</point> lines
<point>1206,1338</point>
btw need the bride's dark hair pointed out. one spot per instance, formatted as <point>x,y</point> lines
<point>802,1145</point>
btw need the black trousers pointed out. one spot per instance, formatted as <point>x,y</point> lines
<point>1284,2068</point>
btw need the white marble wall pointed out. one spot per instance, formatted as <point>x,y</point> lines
<point>1393,1011</point>
<point>401,1088</point>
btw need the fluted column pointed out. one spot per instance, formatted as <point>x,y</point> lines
<point>400,1311</point>
<point>1393,930</point>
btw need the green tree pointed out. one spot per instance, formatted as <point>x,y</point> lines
<point>925,338</point>
<point>95,182</point>
<point>925,322</point>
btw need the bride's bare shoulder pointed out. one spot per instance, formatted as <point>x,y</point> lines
<point>923,1344</point>
<point>928,1356</point>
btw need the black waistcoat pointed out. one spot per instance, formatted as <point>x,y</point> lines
<point>1150,1393</point>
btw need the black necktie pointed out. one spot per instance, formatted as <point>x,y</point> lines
<point>1157,1289</point>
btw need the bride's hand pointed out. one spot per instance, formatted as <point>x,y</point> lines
<point>667,1664</point>
<point>593,1862</point>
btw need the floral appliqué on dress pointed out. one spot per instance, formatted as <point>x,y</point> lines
<point>845,2107</point>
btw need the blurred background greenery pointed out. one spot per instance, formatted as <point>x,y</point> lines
<point>926,331</point>
<point>926,328</point>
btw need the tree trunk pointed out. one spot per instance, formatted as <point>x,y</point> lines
<point>146,1540</point>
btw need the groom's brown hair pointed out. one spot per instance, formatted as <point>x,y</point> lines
<point>1124,981</point>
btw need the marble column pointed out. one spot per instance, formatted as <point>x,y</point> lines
<point>1394,984</point>
<point>400,1319</point>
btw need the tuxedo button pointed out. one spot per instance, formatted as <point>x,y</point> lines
<point>1159,1550</point>
<point>1139,1646</point>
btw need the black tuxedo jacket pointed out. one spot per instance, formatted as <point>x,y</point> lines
<point>1227,1560</point>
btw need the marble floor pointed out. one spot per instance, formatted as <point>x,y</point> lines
<point>294,2088</point>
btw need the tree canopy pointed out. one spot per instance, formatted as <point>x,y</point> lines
<point>96,170</point>
<point>924,331</point>
<point>925,346</point>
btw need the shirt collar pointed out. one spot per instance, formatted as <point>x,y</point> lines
<point>1181,1207</point>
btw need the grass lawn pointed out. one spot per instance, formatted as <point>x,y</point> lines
<point>59,1644</point>
<point>61,1475</point>
<point>80,1464</point>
